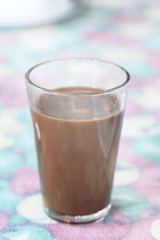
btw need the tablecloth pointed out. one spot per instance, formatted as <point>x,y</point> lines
<point>124,32</point>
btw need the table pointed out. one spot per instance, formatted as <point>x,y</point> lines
<point>125,32</point>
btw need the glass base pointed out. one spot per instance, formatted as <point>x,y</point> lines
<point>98,216</point>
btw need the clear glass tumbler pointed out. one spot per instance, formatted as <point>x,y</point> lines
<point>77,107</point>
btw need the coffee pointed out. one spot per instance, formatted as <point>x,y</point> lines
<point>77,143</point>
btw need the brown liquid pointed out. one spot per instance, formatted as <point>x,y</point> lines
<point>77,157</point>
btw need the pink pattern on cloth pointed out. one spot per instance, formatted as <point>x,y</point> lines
<point>129,19</point>
<point>14,91</point>
<point>95,231</point>
<point>133,108</point>
<point>154,57</point>
<point>152,194</point>
<point>157,115</point>
<point>126,153</point>
<point>105,37</point>
<point>25,181</point>
<point>141,230</point>
<point>137,84</point>
<point>3,58</point>
<point>7,38</point>
<point>149,177</point>
<point>3,221</point>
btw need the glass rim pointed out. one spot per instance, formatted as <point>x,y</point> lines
<point>52,91</point>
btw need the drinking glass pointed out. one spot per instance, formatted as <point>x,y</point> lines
<point>77,107</point>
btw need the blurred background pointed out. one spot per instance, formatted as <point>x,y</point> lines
<point>126,32</point>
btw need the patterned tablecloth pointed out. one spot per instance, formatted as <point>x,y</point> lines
<point>125,32</point>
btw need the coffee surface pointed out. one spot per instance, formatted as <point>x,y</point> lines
<point>77,138</point>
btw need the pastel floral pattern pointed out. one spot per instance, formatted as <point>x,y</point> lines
<point>124,32</point>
